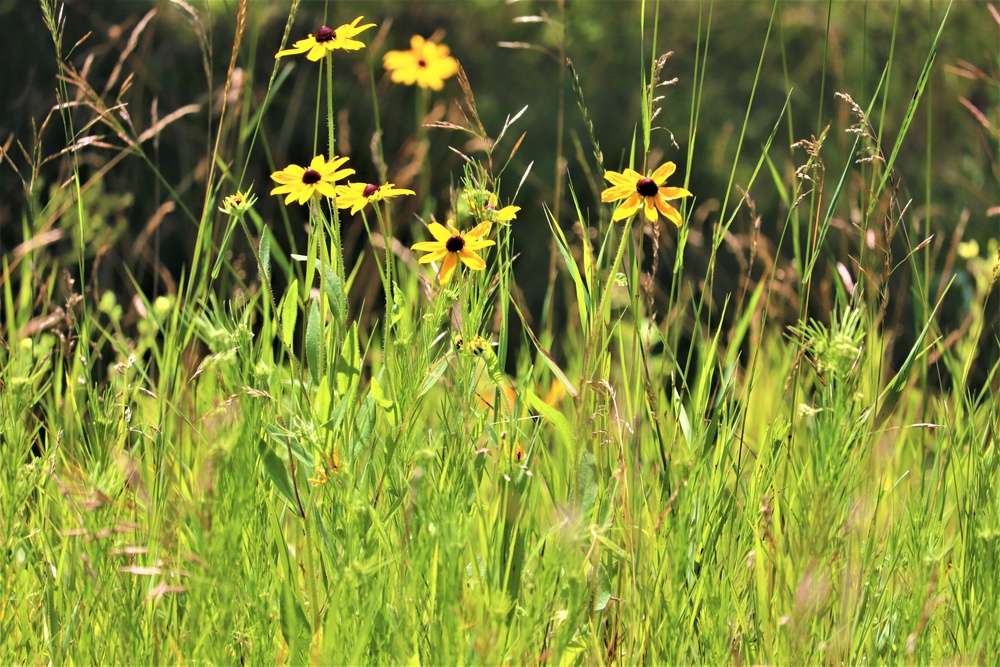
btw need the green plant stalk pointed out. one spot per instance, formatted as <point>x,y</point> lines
<point>337,250</point>
<point>314,600</point>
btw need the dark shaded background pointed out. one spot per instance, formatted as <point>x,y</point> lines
<point>601,37</point>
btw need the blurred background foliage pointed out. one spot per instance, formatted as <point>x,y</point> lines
<point>948,166</point>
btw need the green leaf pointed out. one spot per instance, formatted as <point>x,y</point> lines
<point>289,313</point>
<point>546,357</point>
<point>335,294</point>
<point>582,295</point>
<point>364,426</point>
<point>586,483</point>
<point>433,375</point>
<point>265,254</point>
<point>349,369</point>
<point>563,428</point>
<point>313,327</point>
<point>602,594</point>
<point>375,389</point>
<point>277,472</point>
<point>225,244</point>
<point>323,400</point>
<point>293,621</point>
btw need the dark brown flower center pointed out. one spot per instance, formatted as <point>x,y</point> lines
<point>422,63</point>
<point>454,244</point>
<point>369,190</point>
<point>311,176</point>
<point>646,187</point>
<point>325,34</point>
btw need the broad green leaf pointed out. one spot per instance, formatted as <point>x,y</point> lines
<point>602,594</point>
<point>563,428</point>
<point>289,313</point>
<point>389,407</point>
<point>313,335</point>
<point>265,254</point>
<point>349,368</point>
<point>335,293</point>
<point>277,472</point>
<point>323,400</point>
<point>294,624</point>
<point>375,389</point>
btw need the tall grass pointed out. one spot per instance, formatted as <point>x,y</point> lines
<point>303,448</point>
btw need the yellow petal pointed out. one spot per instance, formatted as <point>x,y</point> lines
<point>428,246</point>
<point>472,260</point>
<point>438,231</point>
<point>448,268</point>
<point>674,193</point>
<point>482,229</point>
<point>649,208</point>
<point>433,257</point>
<point>663,172</point>
<point>627,208</point>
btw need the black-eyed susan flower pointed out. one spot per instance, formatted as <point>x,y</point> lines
<point>451,245</point>
<point>301,183</point>
<point>426,64</point>
<point>647,192</point>
<point>356,196</point>
<point>327,40</point>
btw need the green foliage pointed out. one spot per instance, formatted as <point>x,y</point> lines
<point>617,442</point>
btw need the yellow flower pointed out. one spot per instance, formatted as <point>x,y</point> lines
<point>331,463</point>
<point>426,64</point>
<point>648,192</point>
<point>451,245</point>
<point>968,249</point>
<point>239,203</point>
<point>327,41</point>
<point>300,183</point>
<point>501,215</point>
<point>485,207</point>
<point>356,195</point>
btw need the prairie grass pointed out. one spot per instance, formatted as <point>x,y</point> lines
<point>766,435</point>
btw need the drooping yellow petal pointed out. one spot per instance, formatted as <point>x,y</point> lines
<point>669,212</point>
<point>649,208</point>
<point>448,268</point>
<point>472,260</point>
<point>627,208</point>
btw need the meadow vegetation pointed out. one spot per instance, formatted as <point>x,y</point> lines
<point>446,333</point>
